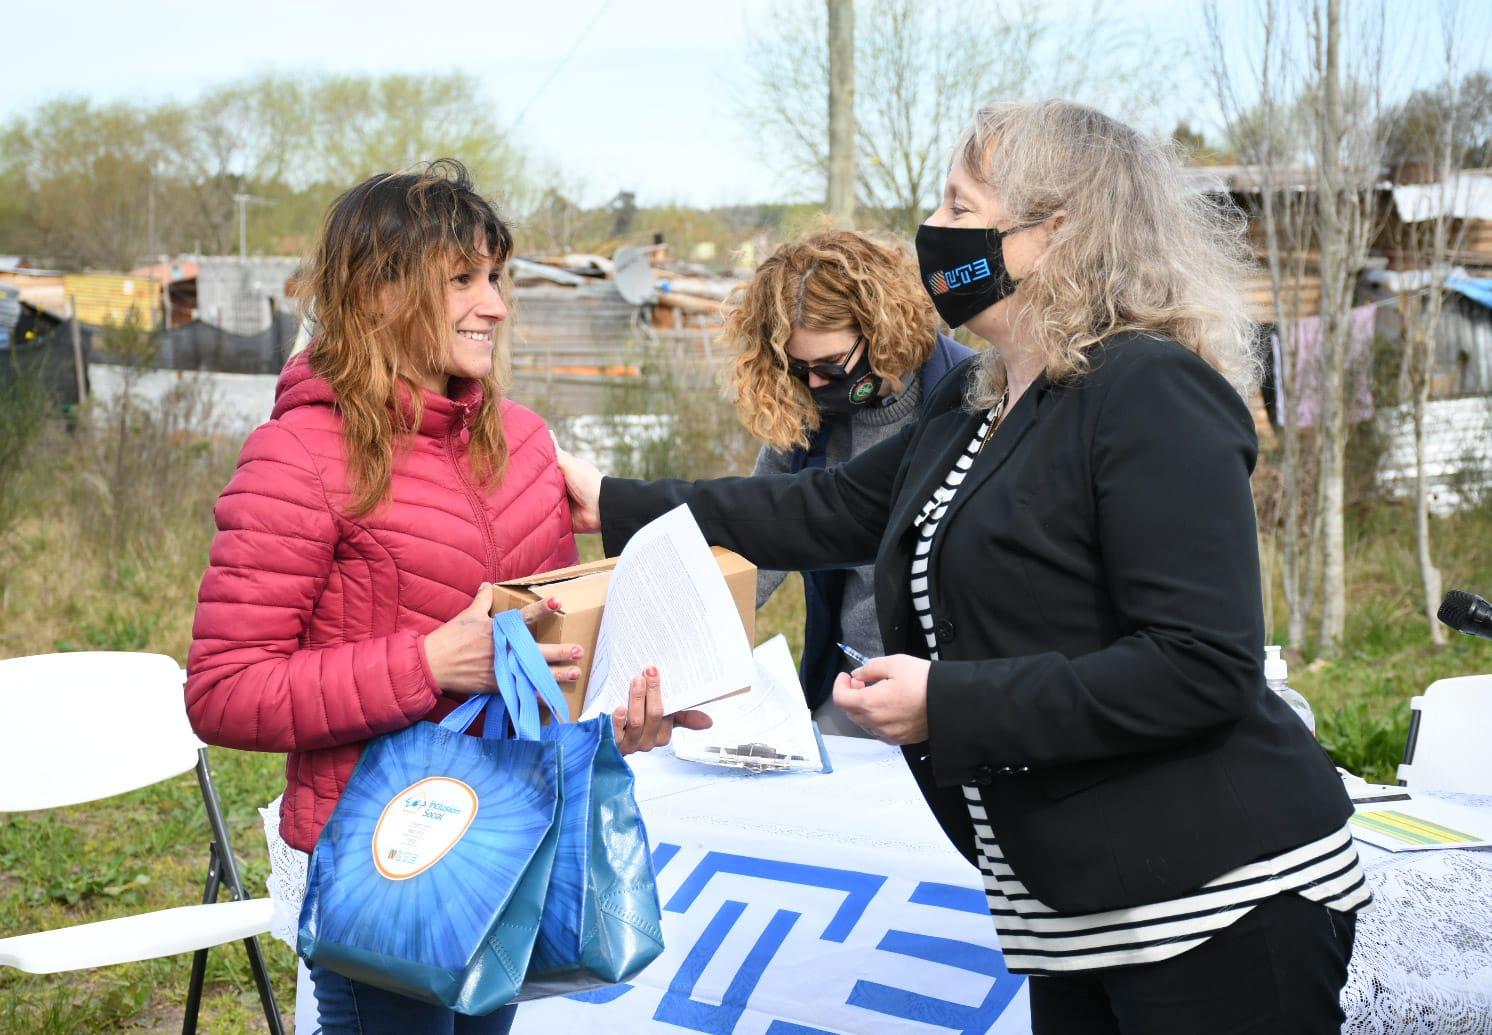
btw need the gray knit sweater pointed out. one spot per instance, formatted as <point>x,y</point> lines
<point>857,618</point>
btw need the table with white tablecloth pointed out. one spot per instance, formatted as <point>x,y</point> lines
<point>805,903</point>
<point>1423,958</point>
<point>812,903</point>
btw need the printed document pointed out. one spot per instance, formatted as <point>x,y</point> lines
<point>769,728</point>
<point>1418,824</point>
<point>668,605</point>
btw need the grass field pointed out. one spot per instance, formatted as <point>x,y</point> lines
<point>102,546</point>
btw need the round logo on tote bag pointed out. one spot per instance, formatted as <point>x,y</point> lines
<point>420,825</point>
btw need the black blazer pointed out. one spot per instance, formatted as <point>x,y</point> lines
<point>1096,597</point>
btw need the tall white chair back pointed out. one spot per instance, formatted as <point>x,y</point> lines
<point>79,727</point>
<point>1450,737</point>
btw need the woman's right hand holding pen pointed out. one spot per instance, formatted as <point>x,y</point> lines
<point>886,697</point>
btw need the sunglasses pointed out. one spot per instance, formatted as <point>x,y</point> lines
<point>828,371</point>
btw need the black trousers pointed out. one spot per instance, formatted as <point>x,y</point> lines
<point>1279,970</point>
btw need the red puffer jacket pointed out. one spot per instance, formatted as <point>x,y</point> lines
<point>310,627</point>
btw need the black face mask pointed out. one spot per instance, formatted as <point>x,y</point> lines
<point>860,387</point>
<point>963,269</point>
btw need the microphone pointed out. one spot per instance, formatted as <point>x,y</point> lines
<point>1466,612</point>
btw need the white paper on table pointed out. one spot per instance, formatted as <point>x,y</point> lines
<point>1419,824</point>
<point>774,714</point>
<point>668,605</point>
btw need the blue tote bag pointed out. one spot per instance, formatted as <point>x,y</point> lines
<point>601,921</point>
<point>430,878</point>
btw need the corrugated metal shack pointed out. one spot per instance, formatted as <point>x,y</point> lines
<point>591,335</point>
<point>101,299</point>
<point>1300,276</point>
<point>1458,416</point>
<point>1406,211</point>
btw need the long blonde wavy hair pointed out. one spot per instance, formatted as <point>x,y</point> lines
<point>1139,249</point>
<point>376,284</point>
<point>830,280</point>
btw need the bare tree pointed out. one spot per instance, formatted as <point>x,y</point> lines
<point>1427,239</point>
<point>921,70</point>
<point>1264,132</point>
<point>1348,150</point>
<point>1330,73</point>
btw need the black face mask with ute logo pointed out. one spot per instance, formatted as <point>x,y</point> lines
<point>860,387</point>
<point>963,269</point>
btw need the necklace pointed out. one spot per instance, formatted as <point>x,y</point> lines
<point>995,413</point>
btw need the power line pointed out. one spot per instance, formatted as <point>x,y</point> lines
<point>562,63</point>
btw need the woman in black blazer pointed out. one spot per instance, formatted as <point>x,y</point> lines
<point>1067,585</point>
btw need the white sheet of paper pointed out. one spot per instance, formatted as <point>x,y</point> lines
<point>773,713</point>
<point>668,605</point>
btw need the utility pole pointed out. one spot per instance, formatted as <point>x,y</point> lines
<point>841,112</point>
<point>243,201</point>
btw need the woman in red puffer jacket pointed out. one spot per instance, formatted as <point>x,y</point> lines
<point>349,584</point>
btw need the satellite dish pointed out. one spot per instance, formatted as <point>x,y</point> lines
<point>632,273</point>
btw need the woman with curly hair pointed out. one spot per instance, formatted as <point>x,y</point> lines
<point>1067,581</point>
<point>837,348</point>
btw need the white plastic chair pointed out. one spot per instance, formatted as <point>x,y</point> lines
<point>1450,737</point>
<point>79,727</point>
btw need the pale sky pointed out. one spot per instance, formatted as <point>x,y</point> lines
<point>644,100</point>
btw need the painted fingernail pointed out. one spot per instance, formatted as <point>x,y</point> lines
<point>653,671</point>
<point>575,652</point>
<point>553,603</point>
<point>574,674</point>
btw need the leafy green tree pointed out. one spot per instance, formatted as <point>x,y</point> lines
<point>366,124</point>
<point>110,186</point>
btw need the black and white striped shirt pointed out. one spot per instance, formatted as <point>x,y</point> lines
<point>1037,939</point>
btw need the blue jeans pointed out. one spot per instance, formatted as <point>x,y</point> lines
<point>348,1007</point>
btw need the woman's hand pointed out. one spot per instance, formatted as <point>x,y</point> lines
<point>887,697</point>
<point>642,726</point>
<point>583,482</point>
<point>460,652</point>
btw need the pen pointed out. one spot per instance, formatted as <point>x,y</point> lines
<point>854,655</point>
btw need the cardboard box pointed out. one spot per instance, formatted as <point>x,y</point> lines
<point>584,595</point>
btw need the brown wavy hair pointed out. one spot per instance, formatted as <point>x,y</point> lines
<point>376,285</point>
<point>830,280</point>
<point>1139,249</point>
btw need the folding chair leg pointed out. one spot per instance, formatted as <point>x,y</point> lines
<point>199,958</point>
<point>266,991</point>
<point>223,855</point>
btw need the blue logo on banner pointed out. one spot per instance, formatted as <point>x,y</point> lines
<point>678,1007</point>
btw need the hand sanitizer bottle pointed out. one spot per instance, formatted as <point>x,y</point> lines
<point>1275,674</point>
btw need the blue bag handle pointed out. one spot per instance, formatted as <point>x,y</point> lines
<point>522,676</point>
<point>528,667</point>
